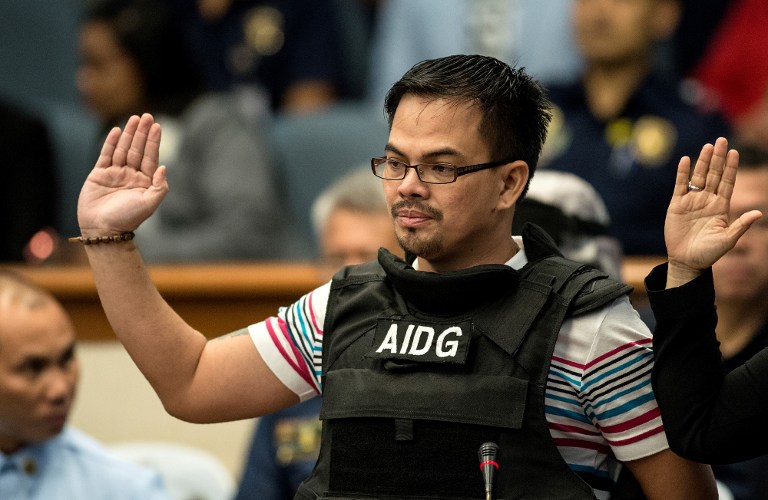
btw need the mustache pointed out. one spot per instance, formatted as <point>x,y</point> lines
<point>415,205</point>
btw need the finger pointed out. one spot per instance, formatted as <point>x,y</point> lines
<point>151,157</point>
<point>699,177</point>
<point>729,175</point>
<point>108,149</point>
<point>681,179</point>
<point>120,155</point>
<point>139,142</point>
<point>716,165</point>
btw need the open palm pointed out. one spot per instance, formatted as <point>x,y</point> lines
<point>698,230</point>
<point>126,185</point>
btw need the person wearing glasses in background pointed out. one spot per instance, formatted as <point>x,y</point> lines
<point>475,337</point>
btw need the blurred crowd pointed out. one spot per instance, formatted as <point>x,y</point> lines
<point>264,104</point>
<point>242,87</point>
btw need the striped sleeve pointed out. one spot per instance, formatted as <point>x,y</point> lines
<point>291,342</point>
<point>616,385</point>
<point>599,390</point>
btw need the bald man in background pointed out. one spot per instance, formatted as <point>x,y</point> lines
<point>40,456</point>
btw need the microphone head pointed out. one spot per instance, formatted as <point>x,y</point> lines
<point>488,465</point>
<point>487,451</point>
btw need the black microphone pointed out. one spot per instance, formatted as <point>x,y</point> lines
<point>488,466</point>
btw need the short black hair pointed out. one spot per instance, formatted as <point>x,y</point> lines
<point>516,110</point>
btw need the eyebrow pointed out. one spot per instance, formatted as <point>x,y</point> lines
<point>64,355</point>
<point>446,151</point>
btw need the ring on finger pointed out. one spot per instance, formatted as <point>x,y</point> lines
<point>692,187</point>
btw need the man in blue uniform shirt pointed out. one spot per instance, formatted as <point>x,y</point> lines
<point>621,128</point>
<point>40,457</point>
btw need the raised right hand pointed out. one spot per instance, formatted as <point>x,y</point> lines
<point>126,185</point>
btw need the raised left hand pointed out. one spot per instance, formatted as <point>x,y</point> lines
<point>698,230</point>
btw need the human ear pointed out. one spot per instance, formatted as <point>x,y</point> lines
<point>515,177</point>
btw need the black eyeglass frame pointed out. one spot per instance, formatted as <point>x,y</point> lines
<point>457,171</point>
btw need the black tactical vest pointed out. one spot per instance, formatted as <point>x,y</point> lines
<point>420,369</point>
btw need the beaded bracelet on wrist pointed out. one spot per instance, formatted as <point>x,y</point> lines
<point>95,240</point>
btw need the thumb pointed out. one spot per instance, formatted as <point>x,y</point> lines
<point>159,187</point>
<point>159,178</point>
<point>744,222</point>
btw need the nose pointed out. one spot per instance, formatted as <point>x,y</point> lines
<point>412,186</point>
<point>60,386</point>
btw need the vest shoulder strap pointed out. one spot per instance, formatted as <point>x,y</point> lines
<point>550,290</point>
<point>581,286</point>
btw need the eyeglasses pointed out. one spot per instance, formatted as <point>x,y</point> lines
<point>431,173</point>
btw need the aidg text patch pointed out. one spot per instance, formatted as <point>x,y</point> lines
<point>423,342</point>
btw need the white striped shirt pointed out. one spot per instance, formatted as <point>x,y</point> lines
<point>599,402</point>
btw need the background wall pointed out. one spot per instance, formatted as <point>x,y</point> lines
<point>115,403</point>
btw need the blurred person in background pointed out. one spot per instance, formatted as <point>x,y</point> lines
<point>520,33</point>
<point>40,456</point>
<point>29,188</point>
<point>227,201</point>
<point>621,127</point>
<point>570,210</point>
<point>351,222</point>
<point>732,74</point>
<point>290,48</point>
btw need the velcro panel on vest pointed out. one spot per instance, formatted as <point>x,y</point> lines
<point>491,400</point>
<point>416,468</point>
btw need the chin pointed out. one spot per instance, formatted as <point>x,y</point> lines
<point>421,247</point>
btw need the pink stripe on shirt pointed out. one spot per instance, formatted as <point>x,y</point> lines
<point>613,352</point>
<point>637,421</point>
<point>300,368</point>
<point>581,443</point>
<point>639,437</point>
<point>317,328</point>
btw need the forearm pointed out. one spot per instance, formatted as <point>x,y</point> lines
<point>162,345</point>
<point>667,476</point>
<point>707,417</point>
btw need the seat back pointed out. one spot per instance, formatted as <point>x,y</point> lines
<point>313,150</point>
<point>189,473</point>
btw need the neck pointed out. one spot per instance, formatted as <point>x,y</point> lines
<point>608,87</point>
<point>738,323</point>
